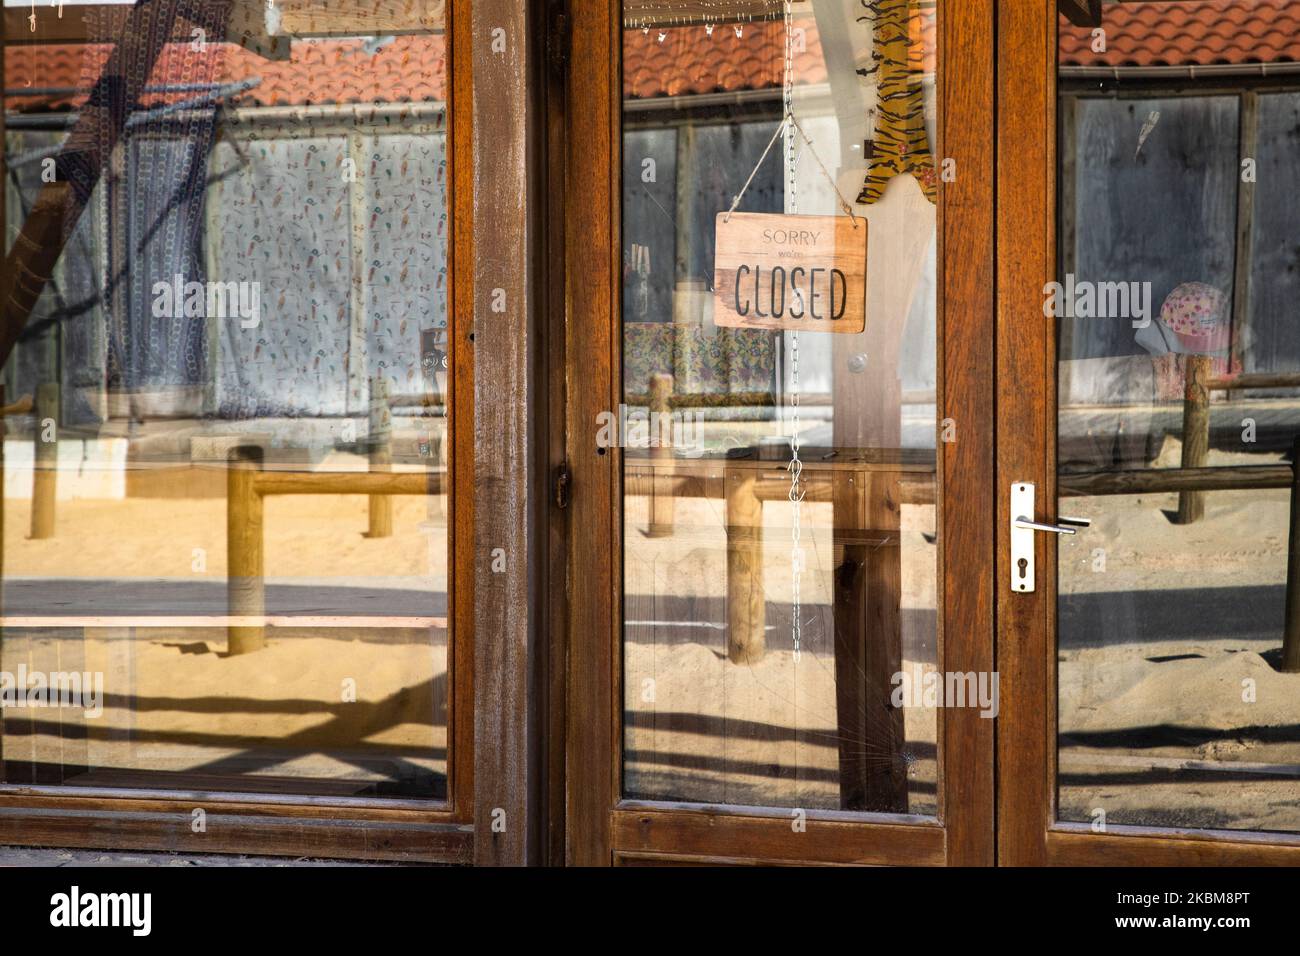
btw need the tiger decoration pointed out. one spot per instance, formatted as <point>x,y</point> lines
<point>900,144</point>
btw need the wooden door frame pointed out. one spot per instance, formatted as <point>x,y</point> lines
<point>601,827</point>
<point>363,828</point>
<point>1028,831</point>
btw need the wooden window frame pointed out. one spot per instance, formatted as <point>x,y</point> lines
<point>603,829</point>
<point>363,828</point>
<point>1028,832</point>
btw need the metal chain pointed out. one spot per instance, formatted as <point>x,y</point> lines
<point>796,466</point>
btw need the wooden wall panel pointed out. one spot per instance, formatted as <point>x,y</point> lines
<point>507,414</point>
<point>355,17</point>
<point>461,498</point>
<point>721,835</point>
<point>965,385</point>
<point>592,236</point>
<point>1025,452</point>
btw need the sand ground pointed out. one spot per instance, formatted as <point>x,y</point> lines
<point>1171,709</point>
<point>353,707</point>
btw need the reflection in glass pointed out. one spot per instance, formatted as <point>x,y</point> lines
<point>225,452</point>
<point>763,639</point>
<point>1178,179</point>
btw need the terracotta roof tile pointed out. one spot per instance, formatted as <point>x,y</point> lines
<point>1188,33</point>
<point>408,68</point>
<point>677,61</point>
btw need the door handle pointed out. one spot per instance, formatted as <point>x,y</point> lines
<point>1068,526</point>
<point>1023,529</point>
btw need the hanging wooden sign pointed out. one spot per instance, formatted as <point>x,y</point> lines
<point>797,273</point>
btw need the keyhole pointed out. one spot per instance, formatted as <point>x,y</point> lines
<point>1024,565</point>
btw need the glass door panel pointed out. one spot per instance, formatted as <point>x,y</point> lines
<point>1178,642</point>
<point>778,419</point>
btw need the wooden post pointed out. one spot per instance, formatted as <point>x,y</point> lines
<point>746,610</point>
<point>45,460</point>
<point>883,583</point>
<point>850,609</point>
<point>1196,434</point>
<point>435,363</point>
<point>869,641</point>
<point>381,455</point>
<point>1291,638</point>
<point>244,564</point>
<point>662,499</point>
<point>1244,254</point>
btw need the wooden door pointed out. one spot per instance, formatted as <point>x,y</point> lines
<point>747,674</point>
<point>1150,701</point>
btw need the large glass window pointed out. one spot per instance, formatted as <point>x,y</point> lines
<point>1179,617</point>
<point>780,549</point>
<point>226,529</point>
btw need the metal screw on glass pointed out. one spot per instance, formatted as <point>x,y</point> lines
<point>1022,529</point>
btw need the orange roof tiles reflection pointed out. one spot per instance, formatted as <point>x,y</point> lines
<point>1188,33</point>
<point>406,69</point>
<point>686,61</point>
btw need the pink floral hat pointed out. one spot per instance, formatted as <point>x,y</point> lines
<point>1198,315</point>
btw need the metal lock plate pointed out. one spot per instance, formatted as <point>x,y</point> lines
<point>1022,539</point>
